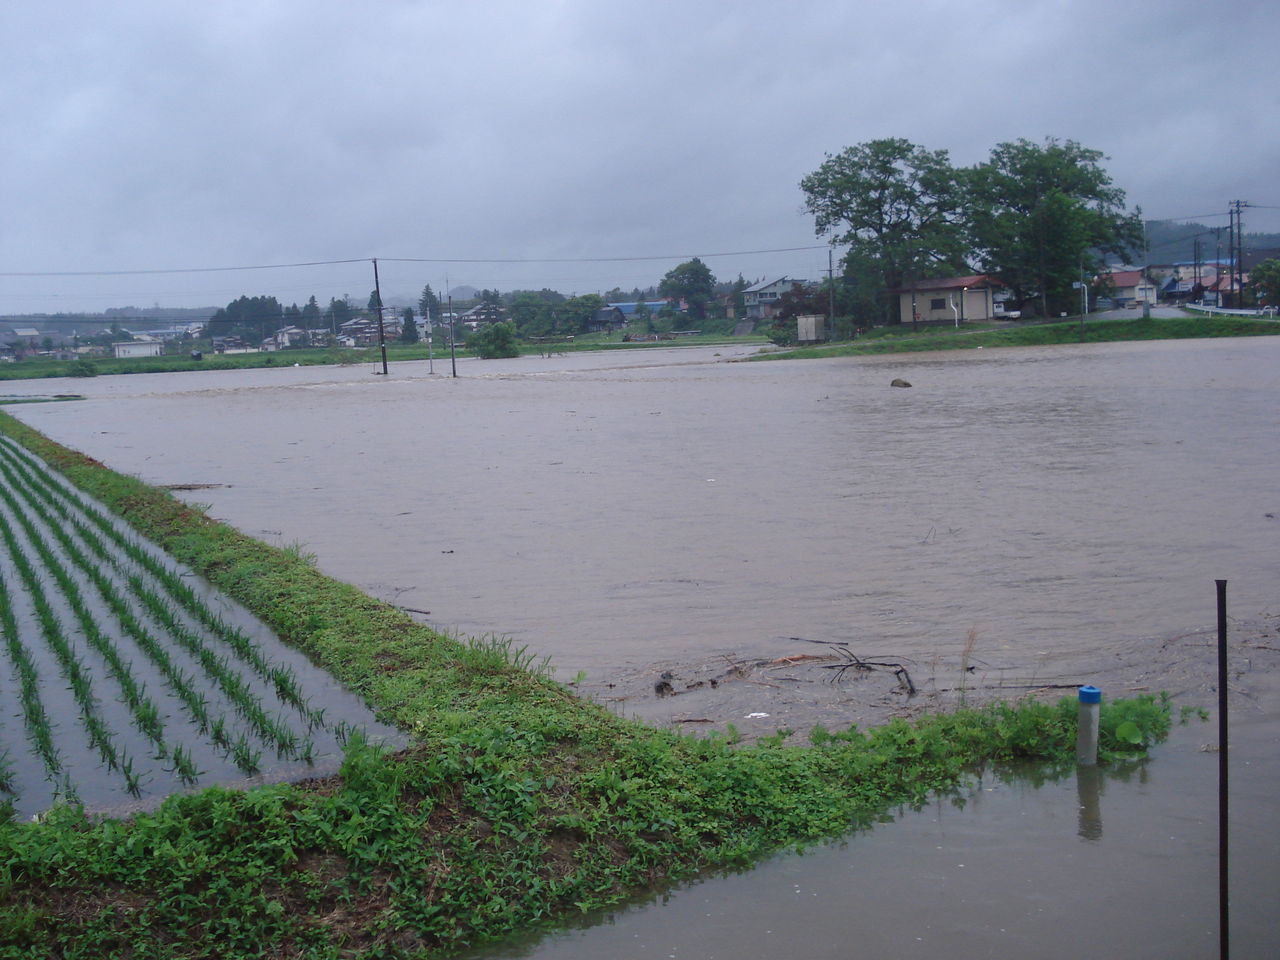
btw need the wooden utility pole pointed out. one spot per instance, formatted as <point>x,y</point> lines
<point>377,296</point>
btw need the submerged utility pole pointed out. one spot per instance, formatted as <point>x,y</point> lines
<point>377,296</point>
<point>453,350</point>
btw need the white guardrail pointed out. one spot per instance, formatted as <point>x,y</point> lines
<point>1211,311</point>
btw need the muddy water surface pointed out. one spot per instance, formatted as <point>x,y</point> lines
<point>630,513</point>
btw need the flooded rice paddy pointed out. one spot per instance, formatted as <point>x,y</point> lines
<point>128,679</point>
<point>1018,520</point>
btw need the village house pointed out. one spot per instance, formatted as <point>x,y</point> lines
<point>950,300</point>
<point>1130,287</point>
<point>606,320</point>
<point>363,331</point>
<point>761,300</point>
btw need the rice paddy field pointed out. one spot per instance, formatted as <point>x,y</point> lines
<point>126,678</point>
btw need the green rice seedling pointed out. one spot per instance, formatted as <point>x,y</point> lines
<point>245,757</point>
<point>132,781</point>
<point>307,751</point>
<point>218,733</point>
<point>184,766</point>
<point>285,739</point>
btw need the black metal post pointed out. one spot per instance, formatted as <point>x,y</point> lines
<point>1224,926</point>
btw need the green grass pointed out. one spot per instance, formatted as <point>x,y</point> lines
<point>517,804</point>
<point>902,340</point>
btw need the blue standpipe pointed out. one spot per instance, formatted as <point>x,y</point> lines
<point>1087,728</point>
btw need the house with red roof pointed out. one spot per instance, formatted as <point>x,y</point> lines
<point>1131,287</point>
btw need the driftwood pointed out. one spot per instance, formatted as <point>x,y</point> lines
<point>841,660</point>
<point>851,661</point>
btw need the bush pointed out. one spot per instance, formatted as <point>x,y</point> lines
<point>82,368</point>
<point>494,340</point>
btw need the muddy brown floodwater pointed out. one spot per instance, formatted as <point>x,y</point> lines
<point>1018,519</point>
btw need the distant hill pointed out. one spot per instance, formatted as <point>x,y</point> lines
<point>1172,241</point>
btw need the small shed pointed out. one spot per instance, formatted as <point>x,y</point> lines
<point>137,348</point>
<point>811,329</point>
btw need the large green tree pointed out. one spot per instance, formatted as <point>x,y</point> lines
<point>573,314</point>
<point>1043,215</point>
<point>692,282</point>
<point>1265,280</point>
<point>898,207</point>
<point>533,312</point>
<point>247,317</point>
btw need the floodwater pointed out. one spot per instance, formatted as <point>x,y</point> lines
<point>630,513</point>
<point>1043,516</point>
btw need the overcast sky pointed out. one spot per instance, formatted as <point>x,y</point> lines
<point>160,135</point>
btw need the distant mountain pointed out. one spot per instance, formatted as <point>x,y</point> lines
<point>1172,241</point>
<point>464,292</point>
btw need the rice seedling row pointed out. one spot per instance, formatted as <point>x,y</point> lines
<point>71,667</point>
<point>184,684</point>
<point>168,693</point>
<point>184,597</point>
<point>34,716</point>
<point>274,731</point>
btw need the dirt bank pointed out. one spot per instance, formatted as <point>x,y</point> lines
<point>807,683</point>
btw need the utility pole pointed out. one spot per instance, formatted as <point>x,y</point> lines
<point>831,296</point>
<point>1237,281</point>
<point>1196,254</point>
<point>453,350</point>
<point>377,296</point>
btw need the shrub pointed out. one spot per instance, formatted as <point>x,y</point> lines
<point>494,340</point>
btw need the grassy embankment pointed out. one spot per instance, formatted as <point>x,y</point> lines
<point>518,803</point>
<point>903,340</point>
<point>38,368</point>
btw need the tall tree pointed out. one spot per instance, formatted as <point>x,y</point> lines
<point>692,282</point>
<point>897,206</point>
<point>409,329</point>
<point>429,305</point>
<point>311,318</point>
<point>1041,216</point>
<point>340,311</point>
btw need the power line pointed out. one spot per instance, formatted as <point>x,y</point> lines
<point>441,260</point>
<point>135,273</point>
